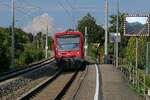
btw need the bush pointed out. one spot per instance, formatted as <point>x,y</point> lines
<point>92,51</point>
<point>31,54</point>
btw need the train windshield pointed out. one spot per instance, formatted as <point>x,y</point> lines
<point>68,42</point>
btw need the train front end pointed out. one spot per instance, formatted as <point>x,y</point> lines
<point>68,49</point>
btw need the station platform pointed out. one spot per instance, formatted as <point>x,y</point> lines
<point>102,82</point>
<point>114,86</point>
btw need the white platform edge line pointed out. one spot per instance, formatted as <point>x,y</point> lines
<point>97,84</point>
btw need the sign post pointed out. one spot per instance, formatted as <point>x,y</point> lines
<point>115,38</point>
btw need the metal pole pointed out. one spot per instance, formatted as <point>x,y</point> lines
<point>137,61</point>
<point>114,55</point>
<point>133,75</point>
<point>42,41</point>
<point>147,57</point>
<point>146,69</point>
<point>46,45</point>
<point>117,30</point>
<point>144,84</point>
<point>13,36</point>
<point>73,19</point>
<point>106,31</point>
<point>86,46</point>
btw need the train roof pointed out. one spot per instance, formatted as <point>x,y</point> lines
<point>71,32</point>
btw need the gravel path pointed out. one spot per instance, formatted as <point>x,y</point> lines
<point>114,87</point>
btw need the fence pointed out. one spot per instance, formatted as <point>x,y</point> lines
<point>137,78</point>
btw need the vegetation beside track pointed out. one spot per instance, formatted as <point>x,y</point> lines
<point>28,48</point>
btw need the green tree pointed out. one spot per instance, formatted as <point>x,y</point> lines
<point>95,32</point>
<point>50,42</point>
<point>39,40</point>
<point>4,49</point>
<point>131,48</point>
<point>25,52</point>
<point>113,22</point>
<point>21,38</point>
<point>112,28</point>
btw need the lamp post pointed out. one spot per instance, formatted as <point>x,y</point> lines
<point>117,31</point>
<point>85,42</point>
<point>46,44</point>
<point>106,32</point>
<point>13,36</point>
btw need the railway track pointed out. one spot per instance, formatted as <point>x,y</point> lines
<point>32,83</point>
<point>19,82</point>
<point>66,87</point>
<point>54,88</point>
<point>39,87</point>
<point>33,66</point>
<point>73,91</point>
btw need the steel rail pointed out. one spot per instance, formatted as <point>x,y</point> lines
<point>80,82</point>
<point>45,83</point>
<point>39,87</point>
<point>66,87</point>
<point>31,67</point>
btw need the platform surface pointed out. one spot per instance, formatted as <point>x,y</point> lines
<point>114,87</point>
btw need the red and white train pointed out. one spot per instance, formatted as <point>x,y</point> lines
<point>68,49</point>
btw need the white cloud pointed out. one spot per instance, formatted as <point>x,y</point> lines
<point>39,24</point>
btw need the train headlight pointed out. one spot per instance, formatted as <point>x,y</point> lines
<point>58,53</point>
<point>78,52</point>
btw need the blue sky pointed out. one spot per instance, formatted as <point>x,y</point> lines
<point>61,18</point>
